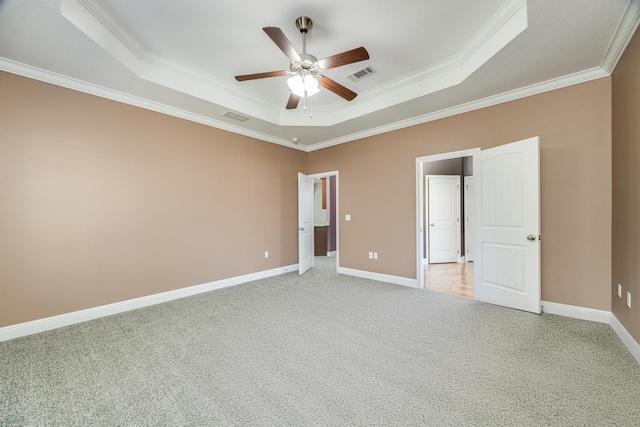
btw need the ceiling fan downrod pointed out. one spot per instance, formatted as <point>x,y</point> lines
<point>304,24</point>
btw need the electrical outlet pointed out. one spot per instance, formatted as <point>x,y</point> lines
<point>375,255</point>
<point>619,290</point>
<point>266,254</point>
<point>629,299</point>
<point>347,217</point>
<point>370,255</point>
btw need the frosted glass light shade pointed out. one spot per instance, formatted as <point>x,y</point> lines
<point>303,87</point>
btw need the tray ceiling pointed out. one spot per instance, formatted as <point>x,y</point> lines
<point>432,58</point>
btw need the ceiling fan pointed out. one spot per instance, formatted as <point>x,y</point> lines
<point>304,69</point>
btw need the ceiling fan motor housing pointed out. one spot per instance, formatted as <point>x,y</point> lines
<point>308,63</point>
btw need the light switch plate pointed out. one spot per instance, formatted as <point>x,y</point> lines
<point>347,217</point>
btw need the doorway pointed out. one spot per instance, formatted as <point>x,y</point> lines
<point>458,164</point>
<point>323,225</point>
<point>325,216</point>
<point>506,223</point>
<point>445,267</point>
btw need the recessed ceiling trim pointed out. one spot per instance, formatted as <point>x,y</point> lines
<point>441,76</point>
<point>95,20</point>
<point>92,18</point>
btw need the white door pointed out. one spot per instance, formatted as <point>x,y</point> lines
<point>468,218</point>
<point>444,218</point>
<point>305,223</point>
<point>507,202</point>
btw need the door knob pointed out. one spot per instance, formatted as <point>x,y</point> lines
<point>531,237</point>
<point>432,224</point>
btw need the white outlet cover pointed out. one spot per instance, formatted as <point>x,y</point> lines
<point>629,299</point>
<point>375,255</point>
<point>619,290</point>
<point>370,255</point>
<point>347,217</point>
<point>266,254</point>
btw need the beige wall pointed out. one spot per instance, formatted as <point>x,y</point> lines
<point>102,202</point>
<point>377,186</point>
<point>626,187</point>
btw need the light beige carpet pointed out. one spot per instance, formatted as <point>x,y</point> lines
<point>321,350</point>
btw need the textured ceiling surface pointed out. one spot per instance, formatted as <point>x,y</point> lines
<point>432,58</point>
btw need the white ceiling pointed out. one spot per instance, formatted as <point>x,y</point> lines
<point>433,58</point>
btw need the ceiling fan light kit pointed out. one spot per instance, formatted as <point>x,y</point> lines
<point>303,86</point>
<point>304,69</point>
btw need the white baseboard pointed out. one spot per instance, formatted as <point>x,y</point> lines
<point>54,322</point>
<point>48,323</point>
<point>332,253</point>
<point>396,280</point>
<point>626,337</point>
<point>594,315</point>
<point>576,312</point>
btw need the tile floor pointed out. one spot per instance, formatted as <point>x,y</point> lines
<point>453,278</point>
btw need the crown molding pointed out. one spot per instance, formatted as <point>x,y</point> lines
<point>92,89</point>
<point>125,98</point>
<point>621,38</point>
<point>549,85</point>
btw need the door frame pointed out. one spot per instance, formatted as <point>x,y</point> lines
<point>469,223</point>
<point>420,214</point>
<point>326,175</point>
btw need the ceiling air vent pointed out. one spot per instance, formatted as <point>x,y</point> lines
<point>236,116</point>
<point>359,75</point>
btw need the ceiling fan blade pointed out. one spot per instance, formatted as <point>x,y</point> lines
<point>336,88</point>
<point>294,99</point>
<point>344,58</point>
<point>283,43</point>
<point>260,75</point>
